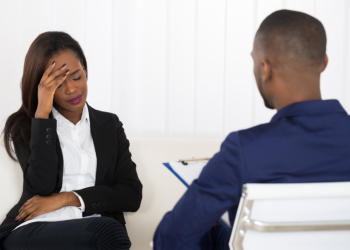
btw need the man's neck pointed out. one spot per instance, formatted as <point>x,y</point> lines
<point>296,91</point>
<point>284,103</point>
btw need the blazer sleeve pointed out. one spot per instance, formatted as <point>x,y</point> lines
<point>126,194</point>
<point>39,163</point>
<point>217,189</point>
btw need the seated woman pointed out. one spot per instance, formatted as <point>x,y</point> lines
<point>78,176</point>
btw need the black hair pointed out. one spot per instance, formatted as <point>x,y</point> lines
<point>293,36</point>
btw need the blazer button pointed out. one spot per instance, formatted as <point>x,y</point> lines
<point>48,136</point>
<point>48,130</point>
<point>48,142</point>
<point>104,204</point>
<point>94,206</point>
<point>99,205</point>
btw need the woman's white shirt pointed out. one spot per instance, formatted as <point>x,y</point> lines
<point>79,164</point>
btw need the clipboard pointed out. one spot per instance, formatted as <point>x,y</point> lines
<point>189,170</point>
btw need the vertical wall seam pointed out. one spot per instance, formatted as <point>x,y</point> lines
<point>195,66</point>
<point>284,4</point>
<point>224,72</point>
<point>85,24</point>
<point>345,52</point>
<point>167,66</point>
<point>255,24</point>
<point>24,52</point>
<point>137,34</point>
<point>112,58</point>
<point>315,8</point>
<point>51,14</point>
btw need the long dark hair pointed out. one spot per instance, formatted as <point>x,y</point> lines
<point>18,125</point>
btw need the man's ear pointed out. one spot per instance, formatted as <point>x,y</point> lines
<point>325,63</point>
<point>266,70</point>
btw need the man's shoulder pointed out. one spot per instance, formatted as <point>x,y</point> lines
<point>257,130</point>
<point>259,134</point>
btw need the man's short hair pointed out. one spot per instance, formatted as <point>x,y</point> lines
<point>293,37</point>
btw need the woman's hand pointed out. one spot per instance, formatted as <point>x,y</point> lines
<point>46,89</point>
<point>39,205</point>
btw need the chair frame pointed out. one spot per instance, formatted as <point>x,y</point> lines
<point>243,223</point>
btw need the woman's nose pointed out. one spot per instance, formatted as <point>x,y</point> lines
<point>70,87</point>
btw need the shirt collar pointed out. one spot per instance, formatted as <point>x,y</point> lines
<point>317,107</point>
<point>60,118</point>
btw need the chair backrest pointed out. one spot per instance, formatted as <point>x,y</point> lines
<point>293,216</point>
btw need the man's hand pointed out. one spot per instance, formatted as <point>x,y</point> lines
<point>44,204</point>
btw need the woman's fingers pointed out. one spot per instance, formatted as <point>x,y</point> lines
<point>33,215</point>
<point>54,74</point>
<point>27,203</point>
<point>25,212</point>
<point>59,80</point>
<point>48,71</point>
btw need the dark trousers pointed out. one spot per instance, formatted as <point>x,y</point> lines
<point>86,233</point>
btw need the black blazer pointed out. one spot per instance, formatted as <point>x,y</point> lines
<point>117,187</point>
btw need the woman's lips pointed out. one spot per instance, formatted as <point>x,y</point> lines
<point>75,100</point>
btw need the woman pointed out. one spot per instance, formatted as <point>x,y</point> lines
<point>78,176</point>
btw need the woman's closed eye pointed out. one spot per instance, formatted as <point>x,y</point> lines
<point>73,80</point>
<point>77,78</point>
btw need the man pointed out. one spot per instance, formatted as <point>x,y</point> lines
<point>307,140</point>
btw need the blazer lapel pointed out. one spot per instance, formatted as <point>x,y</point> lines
<point>103,133</point>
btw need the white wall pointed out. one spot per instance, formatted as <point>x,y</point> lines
<point>172,68</point>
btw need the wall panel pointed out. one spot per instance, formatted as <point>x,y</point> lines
<point>68,16</point>
<point>209,72</point>
<point>168,68</point>
<point>333,18</point>
<point>124,78</point>
<point>37,18</point>
<point>98,52</point>
<point>11,57</point>
<point>181,67</point>
<point>151,67</point>
<point>306,6</point>
<point>240,80</point>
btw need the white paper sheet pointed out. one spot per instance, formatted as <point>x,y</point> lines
<point>188,173</point>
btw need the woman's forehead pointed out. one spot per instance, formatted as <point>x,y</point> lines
<point>61,58</point>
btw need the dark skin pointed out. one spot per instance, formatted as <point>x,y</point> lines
<point>56,89</point>
<point>283,82</point>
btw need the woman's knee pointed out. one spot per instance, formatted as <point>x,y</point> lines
<point>109,234</point>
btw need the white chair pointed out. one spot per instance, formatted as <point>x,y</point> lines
<point>293,216</point>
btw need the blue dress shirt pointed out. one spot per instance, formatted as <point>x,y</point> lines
<point>304,142</point>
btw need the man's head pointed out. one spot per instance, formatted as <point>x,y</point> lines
<point>289,55</point>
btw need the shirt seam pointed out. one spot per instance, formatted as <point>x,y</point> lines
<point>242,159</point>
<point>315,114</point>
